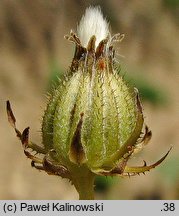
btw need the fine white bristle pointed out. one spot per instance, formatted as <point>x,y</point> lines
<point>92,23</point>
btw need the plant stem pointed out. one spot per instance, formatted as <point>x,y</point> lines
<point>83,180</point>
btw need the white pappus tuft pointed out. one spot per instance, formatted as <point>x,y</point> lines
<point>92,23</point>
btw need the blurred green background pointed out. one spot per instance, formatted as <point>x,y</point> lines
<point>33,53</point>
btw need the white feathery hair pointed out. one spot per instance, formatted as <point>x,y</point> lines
<point>92,23</point>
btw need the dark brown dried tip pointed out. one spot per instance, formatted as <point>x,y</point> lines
<point>76,153</point>
<point>139,105</point>
<point>147,135</point>
<point>10,114</point>
<point>55,169</point>
<point>12,120</point>
<point>25,137</point>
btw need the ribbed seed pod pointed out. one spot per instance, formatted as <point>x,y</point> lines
<point>90,117</point>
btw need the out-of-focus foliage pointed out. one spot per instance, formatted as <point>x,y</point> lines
<point>171,170</point>
<point>102,183</point>
<point>55,74</point>
<point>148,91</point>
<point>173,4</point>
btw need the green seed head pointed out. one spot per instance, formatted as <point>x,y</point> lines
<point>93,113</point>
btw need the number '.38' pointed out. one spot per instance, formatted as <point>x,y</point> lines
<point>169,207</point>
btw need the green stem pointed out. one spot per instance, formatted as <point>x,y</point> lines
<point>83,180</point>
